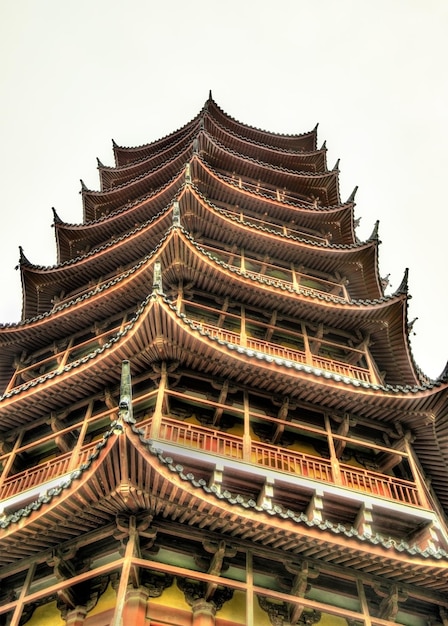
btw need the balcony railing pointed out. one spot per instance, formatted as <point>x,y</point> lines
<point>296,356</point>
<point>231,447</point>
<point>44,472</point>
<point>288,461</point>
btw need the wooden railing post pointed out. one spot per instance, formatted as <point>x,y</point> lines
<point>334,459</point>
<point>247,441</point>
<point>421,489</point>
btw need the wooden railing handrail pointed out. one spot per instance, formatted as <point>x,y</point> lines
<point>290,461</point>
<point>48,470</point>
<point>298,356</point>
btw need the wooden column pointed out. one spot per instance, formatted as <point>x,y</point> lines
<point>422,492</point>
<point>247,441</point>
<point>134,611</point>
<point>203,612</point>
<point>125,577</point>
<point>158,410</point>
<point>249,589</point>
<point>334,459</point>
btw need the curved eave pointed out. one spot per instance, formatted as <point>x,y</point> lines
<point>321,185</point>
<point>337,220</point>
<point>158,332</point>
<point>112,177</point>
<point>93,498</point>
<point>184,259</point>
<point>42,285</point>
<point>312,161</point>
<point>305,141</point>
<point>98,204</point>
<point>357,262</point>
<point>66,511</point>
<point>76,239</point>
<point>129,155</point>
<point>325,538</point>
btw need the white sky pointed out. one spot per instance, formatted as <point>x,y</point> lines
<point>75,73</point>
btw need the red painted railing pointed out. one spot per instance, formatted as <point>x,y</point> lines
<point>42,473</point>
<point>289,354</point>
<point>289,461</point>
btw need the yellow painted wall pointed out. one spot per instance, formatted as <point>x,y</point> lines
<point>46,615</point>
<point>172,596</point>
<point>105,602</point>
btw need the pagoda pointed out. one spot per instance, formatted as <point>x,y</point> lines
<point>210,413</point>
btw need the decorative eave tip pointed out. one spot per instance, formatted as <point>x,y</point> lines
<point>444,375</point>
<point>98,162</point>
<point>22,259</point>
<point>352,196</point>
<point>114,143</point>
<point>403,288</point>
<point>324,145</point>
<point>83,186</point>
<point>374,235</point>
<point>56,218</point>
<point>336,166</point>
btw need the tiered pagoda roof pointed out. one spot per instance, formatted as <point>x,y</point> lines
<point>220,253</point>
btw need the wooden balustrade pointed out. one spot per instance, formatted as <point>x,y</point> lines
<point>388,487</point>
<point>292,462</point>
<point>206,439</point>
<point>289,461</point>
<point>231,447</point>
<point>42,473</point>
<point>341,368</point>
<point>296,356</point>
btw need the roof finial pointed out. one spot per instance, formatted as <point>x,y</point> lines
<point>22,259</point>
<point>444,375</point>
<point>188,173</point>
<point>56,218</point>
<point>176,213</point>
<point>195,145</point>
<point>351,197</point>
<point>385,281</point>
<point>210,97</point>
<point>125,412</point>
<point>374,235</point>
<point>157,278</point>
<point>403,288</point>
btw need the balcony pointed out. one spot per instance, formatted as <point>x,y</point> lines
<point>340,368</point>
<point>290,462</point>
<point>43,473</point>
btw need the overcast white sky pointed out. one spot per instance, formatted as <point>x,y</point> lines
<point>74,74</point>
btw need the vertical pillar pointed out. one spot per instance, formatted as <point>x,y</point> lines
<point>415,472</point>
<point>158,411</point>
<point>134,611</point>
<point>249,589</point>
<point>125,574</point>
<point>203,612</point>
<point>247,441</point>
<point>334,459</point>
